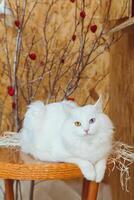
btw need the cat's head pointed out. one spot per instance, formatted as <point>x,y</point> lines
<point>90,120</point>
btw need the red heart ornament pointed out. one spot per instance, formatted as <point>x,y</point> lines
<point>93,28</point>
<point>74,37</point>
<point>82,14</point>
<point>32,56</point>
<point>11,91</point>
<point>17,23</point>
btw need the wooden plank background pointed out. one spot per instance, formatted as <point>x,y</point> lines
<point>122,102</point>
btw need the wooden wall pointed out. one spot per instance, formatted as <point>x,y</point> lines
<point>122,102</point>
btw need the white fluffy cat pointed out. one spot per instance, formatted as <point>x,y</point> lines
<point>65,132</point>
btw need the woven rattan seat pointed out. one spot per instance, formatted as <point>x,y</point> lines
<point>15,165</point>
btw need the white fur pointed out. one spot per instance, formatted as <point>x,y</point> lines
<point>49,133</point>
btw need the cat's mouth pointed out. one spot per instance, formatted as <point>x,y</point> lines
<point>86,132</point>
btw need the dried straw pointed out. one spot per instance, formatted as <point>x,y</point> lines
<point>121,157</point>
<point>10,139</point>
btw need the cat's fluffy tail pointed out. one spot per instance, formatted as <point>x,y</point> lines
<point>32,124</point>
<point>34,116</point>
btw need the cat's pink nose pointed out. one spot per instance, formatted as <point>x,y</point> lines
<point>86,131</point>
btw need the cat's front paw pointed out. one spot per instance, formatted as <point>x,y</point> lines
<point>88,170</point>
<point>100,168</point>
<point>99,177</point>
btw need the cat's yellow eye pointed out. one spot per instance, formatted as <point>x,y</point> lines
<point>77,123</point>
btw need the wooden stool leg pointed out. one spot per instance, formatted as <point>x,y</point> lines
<point>90,190</point>
<point>31,195</point>
<point>85,189</point>
<point>9,189</point>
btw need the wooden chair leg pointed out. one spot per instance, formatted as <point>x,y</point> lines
<point>90,190</point>
<point>9,189</point>
<point>31,195</point>
<point>85,189</point>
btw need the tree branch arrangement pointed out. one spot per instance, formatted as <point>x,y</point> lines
<point>42,64</point>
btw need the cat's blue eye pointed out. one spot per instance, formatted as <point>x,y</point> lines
<point>92,120</point>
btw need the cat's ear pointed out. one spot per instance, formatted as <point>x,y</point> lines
<point>99,104</point>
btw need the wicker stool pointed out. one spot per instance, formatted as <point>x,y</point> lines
<point>15,165</point>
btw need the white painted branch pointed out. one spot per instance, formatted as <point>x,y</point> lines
<point>122,26</point>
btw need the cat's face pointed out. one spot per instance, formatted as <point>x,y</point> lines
<point>89,120</point>
<point>84,120</point>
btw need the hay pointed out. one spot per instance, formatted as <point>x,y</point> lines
<point>121,157</point>
<point>10,139</point>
